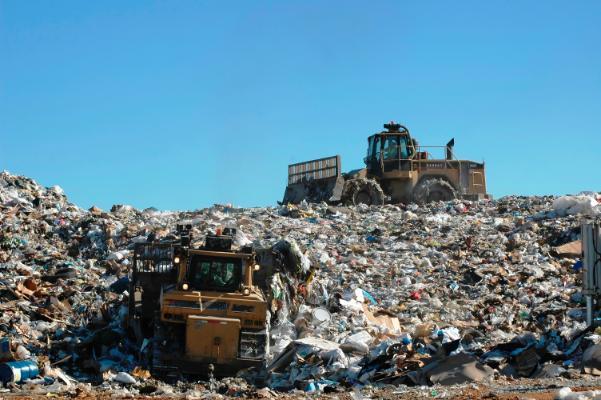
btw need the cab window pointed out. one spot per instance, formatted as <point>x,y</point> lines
<point>373,147</point>
<point>391,148</point>
<point>404,149</point>
<point>214,274</point>
<point>376,150</point>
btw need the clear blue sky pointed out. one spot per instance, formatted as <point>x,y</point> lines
<point>181,104</point>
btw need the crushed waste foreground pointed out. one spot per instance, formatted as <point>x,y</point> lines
<point>394,298</point>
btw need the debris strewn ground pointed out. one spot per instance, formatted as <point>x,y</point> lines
<point>396,298</point>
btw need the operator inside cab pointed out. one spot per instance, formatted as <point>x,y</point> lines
<point>215,274</point>
<point>397,147</point>
<point>391,148</point>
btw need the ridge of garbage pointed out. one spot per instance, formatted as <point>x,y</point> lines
<point>445,293</point>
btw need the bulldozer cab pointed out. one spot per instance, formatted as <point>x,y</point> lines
<point>216,267</point>
<point>390,150</point>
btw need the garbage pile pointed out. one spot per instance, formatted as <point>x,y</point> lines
<point>445,293</point>
<point>441,294</point>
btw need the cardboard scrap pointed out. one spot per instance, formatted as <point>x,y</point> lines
<point>572,249</point>
<point>382,318</point>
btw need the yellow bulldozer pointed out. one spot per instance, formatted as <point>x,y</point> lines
<point>397,170</point>
<point>198,310</point>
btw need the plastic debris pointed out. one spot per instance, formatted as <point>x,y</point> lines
<point>124,377</point>
<point>586,203</point>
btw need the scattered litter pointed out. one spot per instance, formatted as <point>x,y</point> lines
<point>444,293</point>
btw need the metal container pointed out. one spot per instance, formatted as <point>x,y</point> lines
<point>18,371</point>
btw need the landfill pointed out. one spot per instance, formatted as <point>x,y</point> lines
<point>393,296</point>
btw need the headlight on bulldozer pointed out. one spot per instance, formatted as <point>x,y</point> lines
<point>246,291</point>
<point>185,286</point>
<point>176,260</point>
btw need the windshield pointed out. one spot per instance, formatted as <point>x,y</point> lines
<point>396,147</point>
<point>221,274</point>
<point>391,148</point>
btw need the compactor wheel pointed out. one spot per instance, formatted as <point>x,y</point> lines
<point>362,191</point>
<point>433,189</point>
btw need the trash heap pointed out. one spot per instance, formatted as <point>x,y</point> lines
<point>440,294</point>
<point>445,293</point>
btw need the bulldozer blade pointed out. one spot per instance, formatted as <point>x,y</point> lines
<point>314,181</point>
<point>315,191</point>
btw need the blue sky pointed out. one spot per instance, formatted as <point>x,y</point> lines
<point>183,104</point>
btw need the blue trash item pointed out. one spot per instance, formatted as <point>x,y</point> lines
<point>4,345</point>
<point>120,285</point>
<point>369,297</point>
<point>578,266</point>
<point>5,353</point>
<point>18,371</point>
<point>371,239</point>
